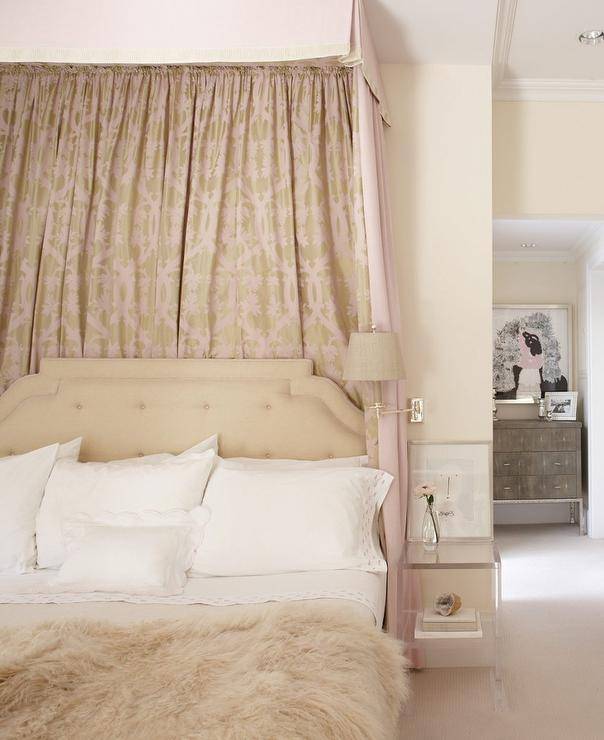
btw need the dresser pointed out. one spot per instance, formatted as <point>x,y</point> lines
<point>538,462</point>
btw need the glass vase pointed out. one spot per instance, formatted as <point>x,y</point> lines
<point>430,531</point>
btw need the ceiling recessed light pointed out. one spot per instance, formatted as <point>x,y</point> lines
<point>528,245</point>
<point>592,37</point>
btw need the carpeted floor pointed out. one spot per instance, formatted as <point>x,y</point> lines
<point>552,649</point>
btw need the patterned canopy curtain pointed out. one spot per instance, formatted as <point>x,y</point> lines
<point>179,212</point>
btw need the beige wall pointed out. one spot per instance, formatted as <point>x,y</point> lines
<point>439,157</point>
<point>535,282</point>
<point>548,158</point>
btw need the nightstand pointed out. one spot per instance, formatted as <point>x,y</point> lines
<point>471,569</point>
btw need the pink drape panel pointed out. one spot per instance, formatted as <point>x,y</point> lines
<point>179,212</point>
<point>403,596</point>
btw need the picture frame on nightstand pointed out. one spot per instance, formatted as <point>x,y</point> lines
<point>461,475</point>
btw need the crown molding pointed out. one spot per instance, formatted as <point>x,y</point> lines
<point>543,90</point>
<point>588,241</point>
<point>504,30</point>
<point>528,255</point>
<point>585,246</point>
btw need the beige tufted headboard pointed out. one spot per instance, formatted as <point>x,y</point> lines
<point>124,408</point>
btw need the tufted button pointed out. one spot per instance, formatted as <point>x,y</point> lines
<point>11,452</point>
<point>140,454</point>
<point>330,456</point>
<point>79,406</point>
<point>142,407</point>
<point>268,407</point>
<point>206,406</point>
<point>267,454</point>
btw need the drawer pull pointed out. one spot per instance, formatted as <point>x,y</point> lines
<point>557,488</point>
<point>506,465</point>
<point>557,463</point>
<point>507,488</point>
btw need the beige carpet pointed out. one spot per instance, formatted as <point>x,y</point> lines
<point>552,649</point>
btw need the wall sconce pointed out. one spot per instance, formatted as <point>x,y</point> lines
<point>374,357</point>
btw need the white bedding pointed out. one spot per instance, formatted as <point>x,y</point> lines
<point>31,597</point>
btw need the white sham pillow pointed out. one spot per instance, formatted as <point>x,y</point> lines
<point>22,481</point>
<point>252,463</point>
<point>145,560</point>
<point>95,488</point>
<point>211,443</point>
<point>292,520</point>
<point>75,528</point>
<point>70,450</point>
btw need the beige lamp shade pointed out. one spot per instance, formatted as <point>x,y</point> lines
<point>373,356</point>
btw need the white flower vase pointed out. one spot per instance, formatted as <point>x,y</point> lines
<point>430,530</point>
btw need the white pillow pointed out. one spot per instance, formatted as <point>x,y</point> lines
<point>22,481</point>
<point>211,443</point>
<point>76,527</point>
<point>300,520</point>
<point>70,450</point>
<point>94,488</point>
<point>150,560</point>
<point>253,463</point>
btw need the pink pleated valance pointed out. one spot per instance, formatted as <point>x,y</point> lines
<point>185,32</point>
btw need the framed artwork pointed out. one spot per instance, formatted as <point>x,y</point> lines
<point>461,474</point>
<point>532,352</point>
<point>563,406</point>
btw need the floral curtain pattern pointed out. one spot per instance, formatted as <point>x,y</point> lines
<point>179,212</point>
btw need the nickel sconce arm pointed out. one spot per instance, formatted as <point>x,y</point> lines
<point>415,411</point>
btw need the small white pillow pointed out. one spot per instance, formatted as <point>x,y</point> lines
<point>74,529</point>
<point>253,463</point>
<point>22,481</point>
<point>149,560</point>
<point>299,520</point>
<point>95,488</point>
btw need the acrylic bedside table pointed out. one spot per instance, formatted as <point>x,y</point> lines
<point>471,569</point>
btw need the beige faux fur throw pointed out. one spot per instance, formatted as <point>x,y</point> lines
<point>282,672</point>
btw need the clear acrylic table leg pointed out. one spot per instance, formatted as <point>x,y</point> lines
<point>499,697</point>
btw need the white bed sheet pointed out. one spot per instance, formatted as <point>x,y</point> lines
<point>26,598</point>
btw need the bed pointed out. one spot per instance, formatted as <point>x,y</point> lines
<point>283,655</point>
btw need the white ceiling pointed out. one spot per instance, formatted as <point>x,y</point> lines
<point>554,239</point>
<point>432,31</point>
<point>537,54</point>
<point>532,44</point>
<point>544,40</point>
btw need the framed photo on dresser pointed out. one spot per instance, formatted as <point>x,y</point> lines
<point>532,351</point>
<point>562,406</point>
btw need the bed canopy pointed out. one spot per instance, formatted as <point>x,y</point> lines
<point>239,32</point>
<point>182,32</point>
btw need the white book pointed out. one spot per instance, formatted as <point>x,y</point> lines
<point>446,633</point>
<point>463,615</point>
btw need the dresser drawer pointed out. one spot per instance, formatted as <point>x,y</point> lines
<point>534,463</point>
<point>507,489</point>
<point>558,463</point>
<point>527,488</point>
<point>535,440</point>
<point>515,463</point>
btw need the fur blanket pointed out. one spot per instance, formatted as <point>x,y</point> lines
<point>284,671</point>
